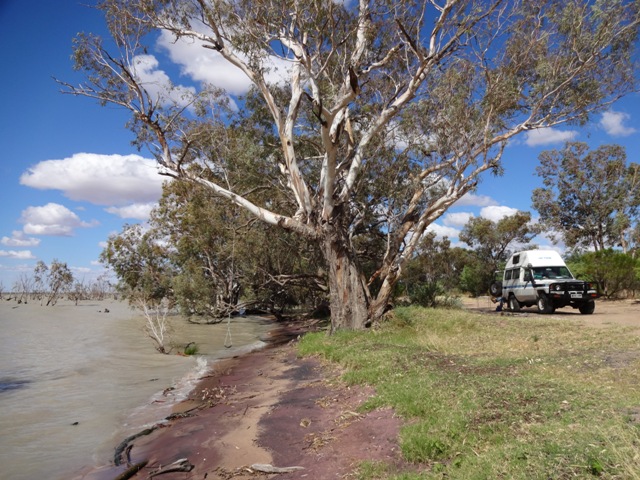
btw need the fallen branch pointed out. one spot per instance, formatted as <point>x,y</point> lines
<point>131,471</point>
<point>182,465</point>
<point>267,468</point>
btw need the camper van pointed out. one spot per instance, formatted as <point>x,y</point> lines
<point>541,278</point>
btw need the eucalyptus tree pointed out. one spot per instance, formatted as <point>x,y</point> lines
<point>491,243</point>
<point>55,279</point>
<point>139,260</point>
<point>590,197</point>
<point>492,240</point>
<point>230,261</point>
<point>388,112</point>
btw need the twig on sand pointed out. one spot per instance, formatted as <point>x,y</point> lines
<point>182,465</point>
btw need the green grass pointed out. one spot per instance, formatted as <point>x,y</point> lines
<point>191,349</point>
<point>489,397</point>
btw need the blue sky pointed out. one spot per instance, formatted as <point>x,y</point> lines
<point>69,176</point>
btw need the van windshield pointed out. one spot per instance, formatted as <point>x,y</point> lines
<point>540,273</point>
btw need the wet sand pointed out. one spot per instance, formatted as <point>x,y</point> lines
<point>270,408</point>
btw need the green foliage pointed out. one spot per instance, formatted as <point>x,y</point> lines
<point>139,260</point>
<point>466,383</point>
<point>590,197</point>
<point>432,276</point>
<point>491,242</point>
<point>191,349</point>
<point>476,277</point>
<point>53,280</point>
<point>615,272</point>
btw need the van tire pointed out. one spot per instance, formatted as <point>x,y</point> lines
<point>495,289</point>
<point>587,308</point>
<point>514,305</point>
<point>544,304</point>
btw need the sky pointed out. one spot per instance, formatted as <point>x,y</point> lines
<point>69,176</point>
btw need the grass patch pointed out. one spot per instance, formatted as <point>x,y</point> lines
<point>486,397</point>
<point>191,349</point>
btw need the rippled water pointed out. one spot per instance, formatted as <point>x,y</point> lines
<point>75,380</point>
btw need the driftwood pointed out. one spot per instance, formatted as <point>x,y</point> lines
<point>182,465</point>
<point>117,458</point>
<point>131,471</point>
<point>267,468</point>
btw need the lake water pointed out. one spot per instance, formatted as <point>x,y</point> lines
<point>76,380</point>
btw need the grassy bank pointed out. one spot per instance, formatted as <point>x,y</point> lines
<point>488,397</point>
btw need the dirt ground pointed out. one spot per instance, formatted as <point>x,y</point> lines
<point>271,410</point>
<point>607,313</point>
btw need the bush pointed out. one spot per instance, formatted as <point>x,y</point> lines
<point>191,349</point>
<point>615,272</point>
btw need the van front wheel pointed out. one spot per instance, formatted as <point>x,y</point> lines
<point>514,305</point>
<point>587,308</point>
<point>544,304</point>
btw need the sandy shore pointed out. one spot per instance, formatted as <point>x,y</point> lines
<point>274,409</point>
<point>270,408</point>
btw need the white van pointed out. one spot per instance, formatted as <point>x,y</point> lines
<point>540,277</point>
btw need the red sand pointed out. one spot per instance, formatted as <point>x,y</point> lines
<point>267,407</point>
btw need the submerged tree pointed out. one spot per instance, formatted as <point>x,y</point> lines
<point>387,114</point>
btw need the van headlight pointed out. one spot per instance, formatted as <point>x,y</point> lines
<point>556,287</point>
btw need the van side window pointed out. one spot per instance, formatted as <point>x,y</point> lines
<point>516,259</point>
<point>507,275</point>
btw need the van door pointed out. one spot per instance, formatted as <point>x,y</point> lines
<point>527,291</point>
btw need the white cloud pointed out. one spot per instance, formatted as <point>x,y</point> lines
<point>443,231</point>
<point>497,212</point>
<point>19,239</point>
<point>158,83</point>
<point>473,200</point>
<point>51,219</point>
<point>459,219</point>
<point>138,211</point>
<point>548,136</point>
<point>98,179</point>
<point>207,65</point>
<point>613,123</point>
<point>19,254</point>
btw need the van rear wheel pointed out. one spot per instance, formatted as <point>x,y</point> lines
<point>514,305</point>
<point>544,304</point>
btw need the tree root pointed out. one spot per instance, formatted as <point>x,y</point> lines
<point>117,458</point>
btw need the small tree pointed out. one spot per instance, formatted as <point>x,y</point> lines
<point>490,242</point>
<point>434,271</point>
<point>157,324</point>
<point>59,280</point>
